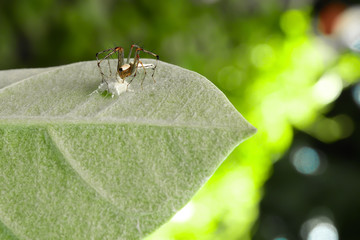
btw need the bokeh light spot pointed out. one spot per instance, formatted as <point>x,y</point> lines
<point>320,228</point>
<point>323,231</point>
<point>263,56</point>
<point>306,160</point>
<point>327,130</point>
<point>332,129</point>
<point>184,214</point>
<point>328,88</point>
<point>280,238</point>
<point>356,94</point>
<point>346,125</point>
<point>230,78</point>
<point>348,67</point>
<point>356,45</point>
<point>293,22</point>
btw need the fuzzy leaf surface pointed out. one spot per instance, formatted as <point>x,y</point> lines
<point>76,165</point>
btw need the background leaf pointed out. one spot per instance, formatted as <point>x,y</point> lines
<point>80,165</point>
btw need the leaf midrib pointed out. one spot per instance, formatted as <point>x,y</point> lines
<point>11,231</point>
<point>34,121</point>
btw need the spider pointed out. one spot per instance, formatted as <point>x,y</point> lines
<point>125,70</point>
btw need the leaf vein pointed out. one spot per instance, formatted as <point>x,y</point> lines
<point>76,167</point>
<point>8,228</point>
<point>26,79</point>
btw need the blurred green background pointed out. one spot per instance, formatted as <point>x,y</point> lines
<point>298,178</point>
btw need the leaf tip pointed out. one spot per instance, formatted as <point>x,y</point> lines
<point>252,130</point>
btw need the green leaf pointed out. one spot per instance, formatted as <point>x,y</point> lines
<point>76,165</point>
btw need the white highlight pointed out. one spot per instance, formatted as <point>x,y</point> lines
<point>319,228</point>
<point>113,87</point>
<point>184,214</point>
<point>328,88</point>
<point>148,65</point>
<point>347,27</point>
<point>125,67</point>
<point>323,231</point>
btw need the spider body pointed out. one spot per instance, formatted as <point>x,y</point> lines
<point>126,70</point>
<point>129,68</point>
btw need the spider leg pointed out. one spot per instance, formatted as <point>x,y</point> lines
<point>142,80</point>
<point>133,76</point>
<point>135,64</point>
<point>120,57</point>
<point>112,51</point>
<point>136,60</point>
<point>152,66</point>
<point>132,46</point>
<point>98,62</point>
<point>157,60</point>
<point>148,52</point>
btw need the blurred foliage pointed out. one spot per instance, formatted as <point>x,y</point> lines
<point>261,54</point>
